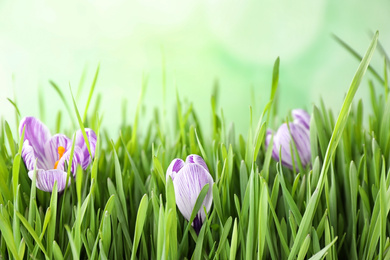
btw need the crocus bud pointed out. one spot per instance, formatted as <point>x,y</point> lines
<point>188,178</point>
<point>282,143</point>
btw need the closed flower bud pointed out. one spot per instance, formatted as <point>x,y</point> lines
<point>189,178</point>
<point>283,144</point>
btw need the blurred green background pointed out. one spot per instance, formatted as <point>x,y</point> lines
<point>234,42</point>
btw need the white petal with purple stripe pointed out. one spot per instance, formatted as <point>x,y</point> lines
<point>188,183</point>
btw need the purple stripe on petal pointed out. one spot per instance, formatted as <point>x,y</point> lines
<point>301,136</point>
<point>80,142</point>
<point>301,117</point>
<point>29,156</point>
<point>51,149</point>
<point>188,185</point>
<point>174,168</point>
<point>194,158</point>
<point>46,179</point>
<point>282,140</point>
<point>36,133</point>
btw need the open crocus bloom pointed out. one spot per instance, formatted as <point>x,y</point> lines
<point>282,142</point>
<point>188,178</point>
<point>51,152</point>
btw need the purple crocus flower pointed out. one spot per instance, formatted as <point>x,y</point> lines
<point>300,133</point>
<point>51,152</point>
<point>188,178</point>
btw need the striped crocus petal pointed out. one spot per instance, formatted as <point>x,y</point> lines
<point>188,183</point>
<point>301,136</point>
<point>301,117</point>
<point>51,147</point>
<point>80,142</point>
<point>174,168</point>
<point>78,157</point>
<point>29,157</point>
<point>283,145</point>
<point>36,135</point>
<point>46,178</point>
<point>194,158</point>
<point>282,141</point>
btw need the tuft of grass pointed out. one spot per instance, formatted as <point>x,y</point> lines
<point>123,207</point>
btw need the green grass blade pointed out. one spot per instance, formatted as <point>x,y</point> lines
<point>59,92</point>
<point>223,238</point>
<point>33,233</point>
<point>91,92</point>
<point>321,253</point>
<point>305,246</point>
<point>139,224</point>
<point>358,57</point>
<point>80,123</point>
<point>337,133</point>
<point>7,235</point>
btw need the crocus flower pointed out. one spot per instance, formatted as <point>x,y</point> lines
<point>51,152</point>
<point>188,178</point>
<point>299,131</point>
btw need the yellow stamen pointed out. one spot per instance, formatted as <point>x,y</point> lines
<point>61,151</point>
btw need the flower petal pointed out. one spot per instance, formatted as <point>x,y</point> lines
<point>268,137</point>
<point>36,133</point>
<point>29,156</point>
<point>301,117</point>
<point>282,140</point>
<point>301,136</point>
<point>194,158</point>
<point>174,168</point>
<point>51,149</point>
<point>78,158</point>
<point>46,179</point>
<point>188,184</point>
<point>80,142</point>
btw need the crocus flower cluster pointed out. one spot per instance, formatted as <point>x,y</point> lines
<point>189,178</point>
<point>51,153</point>
<point>282,143</point>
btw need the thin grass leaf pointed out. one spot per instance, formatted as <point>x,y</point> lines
<point>199,244</point>
<point>337,133</point>
<point>7,235</point>
<point>59,92</point>
<point>358,57</point>
<point>263,218</point>
<point>90,91</point>
<point>322,252</point>
<point>57,252</point>
<point>139,224</point>
<point>305,246</point>
<point>72,244</point>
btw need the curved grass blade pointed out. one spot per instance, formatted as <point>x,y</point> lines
<point>33,233</point>
<point>90,92</point>
<point>139,224</point>
<point>6,233</point>
<point>81,123</point>
<point>58,90</point>
<point>336,135</point>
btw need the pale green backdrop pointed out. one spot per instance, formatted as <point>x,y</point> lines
<point>235,42</point>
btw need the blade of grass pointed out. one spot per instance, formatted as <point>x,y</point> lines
<point>59,92</point>
<point>358,57</point>
<point>336,135</point>
<point>90,92</point>
<point>33,233</point>
<point>7,235</point>
<point>139,224</point>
